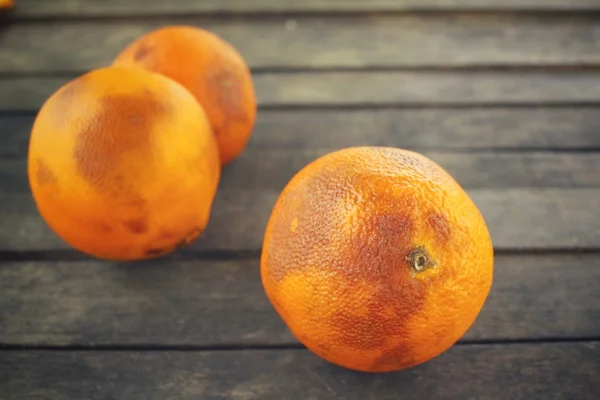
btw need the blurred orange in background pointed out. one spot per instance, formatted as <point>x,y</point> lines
<point>6,3</point>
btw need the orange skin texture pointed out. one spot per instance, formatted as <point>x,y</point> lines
<point>123,164</point>
<point>211,69</point>
<point>334,262</point>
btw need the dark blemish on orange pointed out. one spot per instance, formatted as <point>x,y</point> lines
<point>193,235</point>
<point>165,235</point>
<point>380,325</point>
<point>137,226</point>
<point>128,196</point>
<point>322,348</point>
<point>362,333</point>
<point>44,175</point>
<point>381,246</point>
<point>189,238</point>
<point>228,97</point>
<point>398,357</point>
<point>158,251</point>
<point>123,125</point>
<point>293,252</point>
<point>142,52</point>
<point>103,228</point>
<point>377,254</point>
<point>439,223</point>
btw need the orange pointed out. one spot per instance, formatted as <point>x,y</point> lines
<point>376,259</point>
<point>123,164</point>
<point>6,4</point>
<point>210,68</point>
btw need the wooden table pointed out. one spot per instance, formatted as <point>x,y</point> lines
<point>504,94</point>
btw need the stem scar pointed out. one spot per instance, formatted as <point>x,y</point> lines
<point>419,260</point>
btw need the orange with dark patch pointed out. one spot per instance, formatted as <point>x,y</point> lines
<point>211,69</point>
<point>123,164</point>
<point>376,258</point>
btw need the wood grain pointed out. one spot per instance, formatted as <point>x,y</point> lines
<point>81,8</point>
<point>518,219</point>
<point>531,128</point>
<point>272,169</point>
<point>428,88</point>
<point>170,302</point>
<point>434,129</point>
<point>373,89</point>
<point>550,371</point>
<point>325,42</point>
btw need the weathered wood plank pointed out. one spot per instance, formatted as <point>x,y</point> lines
<point>441,88</point>
<point>272,169</point>
<point>330,42</point>
<point>424,129</point>
<point>81,8</point>
<point>169,303</point>
<point>14,135</point>
<point>468,128</point>
<point>374,89</point>
<point>518,218</point>
<point>550,371</point>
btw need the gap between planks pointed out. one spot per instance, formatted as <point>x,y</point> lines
<point>265,347</point>
<point>115,8</point>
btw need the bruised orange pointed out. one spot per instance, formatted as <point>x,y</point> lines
<point>376,258</point>
<point>123,165</point>
<point>211,69</point>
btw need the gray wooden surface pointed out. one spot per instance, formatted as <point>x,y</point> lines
<point>519,129</point>
<point>78,8</point>
<point>381,41</point>
<point>503,94</point>
<point>529,371</point>
<point>266,169</point>
<point>207,303</point>
<point>518,219</point>
<point>359,89</point>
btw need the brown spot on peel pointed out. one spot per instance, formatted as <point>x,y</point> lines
<point>377,254</point>
<point>440,225</point>
<point>44,174</point>
<point>228,97</point>
<point>391,359</point>
<point>189,238</point>
<point>157,251</point>
<point>379,246</point>
<point>122,126</point>
<point>137,226</point>
<point>142,52</point>
<point>104,228</point>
